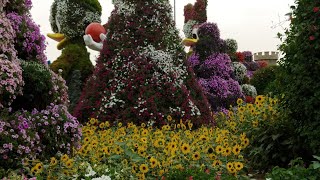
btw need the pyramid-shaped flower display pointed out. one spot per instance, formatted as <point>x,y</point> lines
<point>142,75</point>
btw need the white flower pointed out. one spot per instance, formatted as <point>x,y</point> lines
<point>249,90</point>
<point>90,172</point>
<point>239,70</point>
<point>103,177</point>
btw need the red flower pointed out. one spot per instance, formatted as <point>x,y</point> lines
<point>249,99</point>
<point>191,178</point>
<point>240,56</point>
<point>311,38</point>
<point>315,9</point>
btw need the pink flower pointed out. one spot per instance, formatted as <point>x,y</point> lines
<point>311,38</point>
<point>315,9</point>
<point>191,178</point>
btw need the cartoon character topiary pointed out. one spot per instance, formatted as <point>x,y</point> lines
<point>68,19</point>
<point>210,62</point>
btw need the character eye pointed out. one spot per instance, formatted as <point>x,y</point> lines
<point>194,36</point>
<point>195,33</point>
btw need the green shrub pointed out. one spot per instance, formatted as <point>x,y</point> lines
<point>38,84</point>
<point>297,171</point>
<point>301,75</point>
<point>263,77</point>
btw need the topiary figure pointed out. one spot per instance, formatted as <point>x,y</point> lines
<point>211,64</point>
<point>68,31</point>
<point>141,75</point>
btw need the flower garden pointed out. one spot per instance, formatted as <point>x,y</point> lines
<point>148,109</point>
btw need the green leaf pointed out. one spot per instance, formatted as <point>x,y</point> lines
<point>316,157</point>
<point>316,165</point>
<point>115,157</point>
<point>274,137</point>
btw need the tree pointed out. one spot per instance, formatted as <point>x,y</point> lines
<point>141,75</point>
<point>299,80</point>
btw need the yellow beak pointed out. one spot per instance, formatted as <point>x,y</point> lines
<point>58,37</point>
<point>189,42</point>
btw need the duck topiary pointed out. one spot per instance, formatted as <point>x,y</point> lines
<point>68,19</point>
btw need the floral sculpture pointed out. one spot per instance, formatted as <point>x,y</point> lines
<point>141,75</point>
<point>34,121</point>
<point>69,19</point>
<point>211,64</point>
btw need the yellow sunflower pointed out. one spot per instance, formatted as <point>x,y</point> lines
<point>239,101</point>
<point>153,162</point>
<point>230,167</point>
<point>92,120</point>
<point>101,125</point>
<point>241,109</point>
<point>39,167</point>
<point>69,163</point>
<point>219,149</point>
<point>236,149</point>
<point>196,156</point>
<point>260,98</point>
<point>53,161</point>
<point>144,168</point>
<point>159,143</point>
<point>134,168</point>
<point>227,151</point>
<point>118,150</point>
<point>238,165</point>
<point>144,132</point>
<point>245,142</point>
<point>216,163</point>
<point>169,118</point>
<point>185,148</point>
<point>144,140</point>
<point>255,123</point>
<point>64,158</point>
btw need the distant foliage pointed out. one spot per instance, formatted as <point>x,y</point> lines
<point>263,78</point>
<point>232,46</point>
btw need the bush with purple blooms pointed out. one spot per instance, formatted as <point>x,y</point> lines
<point>19,6</point>
<point>29,43</point>
<point>11,81</point>
<point>247,56</point>
<point>251,65</point>
<point>209,40</point>
<point>214,75</point>
<point>37,134</point>
<point>7,35</point>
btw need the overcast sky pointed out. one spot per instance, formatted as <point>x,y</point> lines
<point>250,22</point>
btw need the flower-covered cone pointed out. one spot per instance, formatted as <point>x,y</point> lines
<point>142,75</point>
